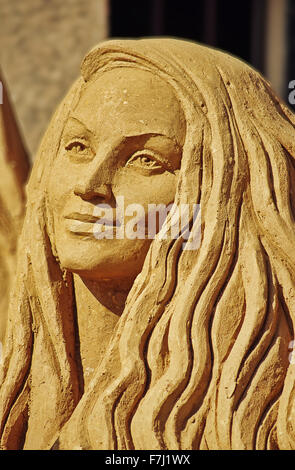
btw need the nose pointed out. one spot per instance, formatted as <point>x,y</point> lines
<point>88,192</point>
<point>96,177</point>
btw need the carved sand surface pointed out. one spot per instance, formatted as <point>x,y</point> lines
<point>138,342</point>
<point>14,167</point>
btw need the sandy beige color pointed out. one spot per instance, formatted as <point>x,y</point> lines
<point>139,343</point>
<point>14,170</point>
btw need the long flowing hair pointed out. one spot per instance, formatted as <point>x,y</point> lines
<point>199,358</point>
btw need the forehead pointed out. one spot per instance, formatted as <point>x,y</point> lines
<point>130,102</point>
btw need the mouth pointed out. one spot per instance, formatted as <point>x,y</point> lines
<point>92,219</point>
<point>87,224</point>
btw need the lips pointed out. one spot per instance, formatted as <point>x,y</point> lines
<point>81,217</point>
<point>92,219</point>
<point>85,224</point>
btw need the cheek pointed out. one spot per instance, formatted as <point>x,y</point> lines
<point>60,183</point>
<point>144,190</point>
<point>55,192</point>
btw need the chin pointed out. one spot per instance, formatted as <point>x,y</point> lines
<point>101,259</point>
<point>102,272</point>
<point>81,261</point>
<point>97,260</point>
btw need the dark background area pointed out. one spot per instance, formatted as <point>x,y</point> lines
<point>228,25</point>
<point>236,27</point>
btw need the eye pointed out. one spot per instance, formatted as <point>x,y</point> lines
<point>145,160</point>
<point>77,148</point>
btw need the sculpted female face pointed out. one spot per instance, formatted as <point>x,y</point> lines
<point>121,144</point>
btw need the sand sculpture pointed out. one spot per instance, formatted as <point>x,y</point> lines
<point>139,343</point>
<point>14,167</point>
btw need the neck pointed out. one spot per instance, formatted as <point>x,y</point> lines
<point>99,305</point>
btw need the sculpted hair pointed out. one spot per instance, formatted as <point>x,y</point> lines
<point>199,357</point>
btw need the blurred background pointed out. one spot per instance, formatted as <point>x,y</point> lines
<point>43,41</point>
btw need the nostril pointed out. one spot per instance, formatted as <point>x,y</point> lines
<point>87,196</point>
<point>89,193</point>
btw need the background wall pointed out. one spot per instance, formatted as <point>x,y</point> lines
<point>42,43</point>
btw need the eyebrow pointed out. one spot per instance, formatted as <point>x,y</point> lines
<point>170,165</point>
<point>80,123</point>
<point>144,134</point>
